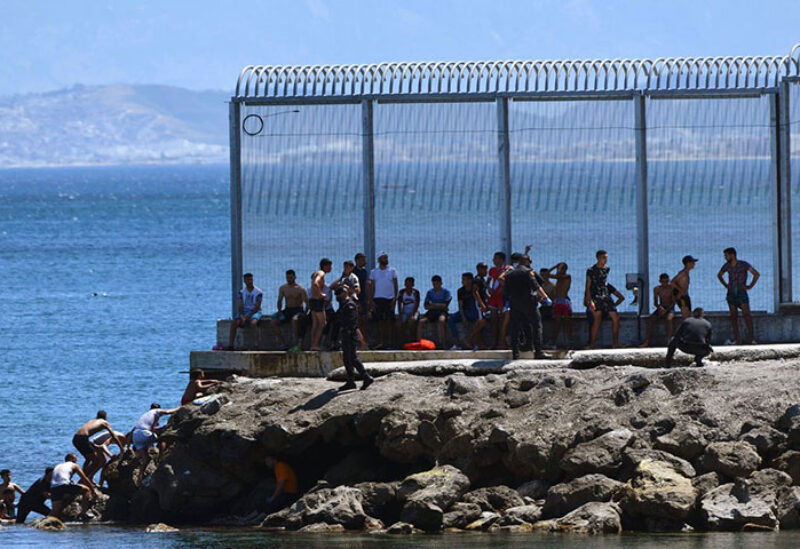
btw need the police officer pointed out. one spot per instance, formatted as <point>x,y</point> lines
<point>521,290</point>
<point>693,337</point>
<point>348,329</point>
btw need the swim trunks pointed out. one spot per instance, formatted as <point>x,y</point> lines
<point>285,316</point>
<point>383,309</point>
<point>737,297</point>
<point>685,302</point>
<point>562,306</point>
<point>604,304</point>
<point>143,439</point>
<point>435,314</point>
<point>81,442</point>
<point>316,305</point>
<point>65,490</point>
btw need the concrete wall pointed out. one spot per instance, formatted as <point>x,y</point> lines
<point>768,329</point>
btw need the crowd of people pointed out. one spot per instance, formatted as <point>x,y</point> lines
<point>485,300</point>
<point>92,441</point>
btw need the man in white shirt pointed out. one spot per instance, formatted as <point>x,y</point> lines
<point>62,488</point>
<point>249,310</point>
<point>145,432</point>
<point>383,298</point>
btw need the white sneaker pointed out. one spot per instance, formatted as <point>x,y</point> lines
<point>729,342</point>
<point>455,347</point>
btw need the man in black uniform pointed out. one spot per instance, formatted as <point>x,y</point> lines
<point>33,499</point>
<point>348,329</point>
<point>693,337</point>
<point>521,290</point>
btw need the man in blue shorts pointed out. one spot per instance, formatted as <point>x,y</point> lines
<point>249,310</point>
<point>738,287</point>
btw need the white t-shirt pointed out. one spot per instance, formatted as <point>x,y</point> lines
<point>149,420</point>
<point>62,474</point>
<point>250,299</point>
<point>384,282</point>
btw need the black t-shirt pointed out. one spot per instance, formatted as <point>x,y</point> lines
<point>36,492</point>
<point>598,286</point>
<point>467,298</point>
<point>480,284</point>
<point>348,316</point>
<point>694,330</point>
<point>520,285</point>
<point>362,278</point>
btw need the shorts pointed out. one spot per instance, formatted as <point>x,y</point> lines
<point>255,316</point>
<point>685,302</point>
<point>65,490</point>
<point>406,316</point>
<point>84,446</point>
<point>562,306</point>
<point>316,305</point>
<point>656,313</point>
<point>435,314</point>
<point>383,309</point>
<point>143,439</point>
<point>737,297</point>
<point>285,316</point>
<point>605,305</point>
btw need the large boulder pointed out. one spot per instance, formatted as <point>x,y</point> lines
<point>767,441</point>
<point>534,489</point>
<point>340,505</point>
<point>657,490</point>
<point>461,514</point>
<point>789,463</point>
<point>752,501</point>
<point>568,496</point>
<point>49,524</point>
<point>379,500</point>
<point>495,498</point>
<point>631,458</point>
<point>685,440</point>
<point>600,455</point>
<point>424,514</point>
<point>788,508</point>
<point>524,514</point>
<point>732,459</point>
<point>590,518</point>
<point>428,494</point>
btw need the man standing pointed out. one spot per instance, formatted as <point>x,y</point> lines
<point>383,298</point>
<point>521,289</point>
<point>34,498</point>
<point>693,337</point>
<point>361,273</point>
<point>249,310</point>
<point>597,298</point>
<point>680,286</point>
<point>737,287</point>
<point>348,328</point>
<point>317,302</point>
<point>295,299</point>
<point>62,487</point>
<point>95,457</point>
<point>498,308</point>
<point>562,305</point>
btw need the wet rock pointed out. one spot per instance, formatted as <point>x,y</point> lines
<point>534,489</point>
<point>568,496</point>
<point>484,522</point>
<point>340,505</point>
<point>686,440</point>
<point>402,528</point>
<point>601,455</point>
<point>631,458</point>
<point>732,459</point>
<point>461,514</point>
<point>48,524</point>
<point>373,525</point>
<point>788,508</point>
<point>750,501</point>
<point>379,499</point>
<point>789,463</point>
<point>524,514</point>
<point>424,514</point>
<point>590,518</point>
<point>442,486</point>
<point>495,498</point>
<point>160,528</point>
<point>322,528</point>
<point>657,490</point>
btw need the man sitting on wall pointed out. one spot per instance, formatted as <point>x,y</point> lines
<point>249,310</point>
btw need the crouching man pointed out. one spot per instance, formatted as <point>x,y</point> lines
<point>63,490</point>
<point>693,337</point>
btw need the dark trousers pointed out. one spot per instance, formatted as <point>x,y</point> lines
<point>699,350</point>
<point>525,318</point>
<point>25,507</point>
<point>350,355</point>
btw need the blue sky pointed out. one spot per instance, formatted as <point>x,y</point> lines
<point>47,44</point>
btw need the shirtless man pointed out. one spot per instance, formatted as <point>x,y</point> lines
<point>317,302</point>
<point>295,299</point>
<point>664,300</point>
<point>9,489</point>
<point>197,386</point>
<point>95,458</point>
<point>680,287</point>
<point>562,306</point>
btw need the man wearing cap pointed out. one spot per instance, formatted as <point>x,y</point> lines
<point>382,297</point>
<point>693,337</point>
<point>680,286</point>
<point>348,329</point>
<point>737,287</point>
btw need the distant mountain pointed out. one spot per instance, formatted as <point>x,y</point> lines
<point>114,125</point>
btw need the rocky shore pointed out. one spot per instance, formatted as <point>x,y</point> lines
<point>597,450</point>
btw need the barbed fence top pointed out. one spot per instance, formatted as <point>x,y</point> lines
<point>498,77</point>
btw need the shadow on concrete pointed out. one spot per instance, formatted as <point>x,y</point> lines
<point>316,402</point>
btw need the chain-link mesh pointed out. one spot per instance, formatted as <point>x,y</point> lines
<point>710,187</point>
<point>794,173</point>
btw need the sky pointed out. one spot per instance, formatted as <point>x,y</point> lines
<point>200,44</point>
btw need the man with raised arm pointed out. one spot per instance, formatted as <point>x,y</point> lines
<point>738,287</point>
<point>145,432</point>
<point>62,488</point>
<point>95,457</point>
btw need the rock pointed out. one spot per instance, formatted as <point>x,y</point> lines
<point>356,466</point>
<point>340,505</point>
<point>767,441</point>
<point>496,498</point>
<point>686,441</point>
<point>568,496</point>
<point>601,455</point>
<point>442,486</point>
<point>705,483</point>
<point>590,518</point>
<point>750,501</point>
<point>789,463</point>
<point>322,528</point>
<point>534,489</point>
<point>424,514</point>
<point>788,508</point>
<point>160,528</point>
<point>524,514</point>
<point>484,522</point>
<point>631,458</point>
<point>732,459</point>
<point>402,528</point>
<point>49,524</point>
<point>462,385</point>
<point>373,525</point>
<point>657,490</point>
<point>461,514</point>
<point>213,404</point>
<point>379,499</point>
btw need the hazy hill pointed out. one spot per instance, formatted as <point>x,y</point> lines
<point>115,124</point>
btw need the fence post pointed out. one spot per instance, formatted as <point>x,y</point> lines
<point>504,174</point>
<point>234,117</point>
<point>368,167</point>
<point>643,235</point>
<point>781,163</point>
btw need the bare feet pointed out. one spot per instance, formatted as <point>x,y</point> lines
<point>645,344</point>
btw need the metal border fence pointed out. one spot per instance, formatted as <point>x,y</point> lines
<point>505,82</point>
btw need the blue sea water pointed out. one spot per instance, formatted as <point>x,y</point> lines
<point>109,277</point>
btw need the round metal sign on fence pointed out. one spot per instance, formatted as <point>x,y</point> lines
<point>252,124</point>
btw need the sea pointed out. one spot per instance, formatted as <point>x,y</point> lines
<point>110,276</point>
